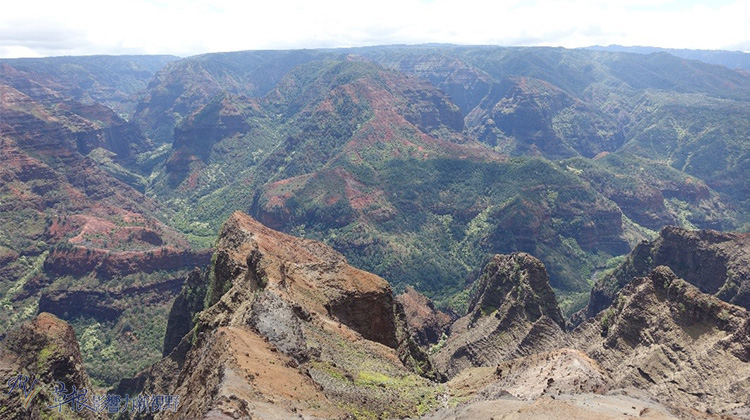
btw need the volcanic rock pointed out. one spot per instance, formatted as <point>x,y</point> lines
<point>288,327</point>
<point>715,262</point>
<point>44,349</point>
<point>426,322</point>
<point>514,312</point>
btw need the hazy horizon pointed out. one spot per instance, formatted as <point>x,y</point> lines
<point>43,28</point>
<point>615,46</point>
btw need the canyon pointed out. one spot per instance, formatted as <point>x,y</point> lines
<point>430,231</point>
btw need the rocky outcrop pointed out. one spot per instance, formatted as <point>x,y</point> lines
<point>715,262</point>
<point>44,349</point>
<point>426,322</point>
<point>281,324</point>
<point>188,303</point>
<point>663,345</point>
<point>288,326</point>
<point>684,347</point>
<point>522,278</point>
<point>257,256</point>
<point>274,340</point>
<point>513,312</point>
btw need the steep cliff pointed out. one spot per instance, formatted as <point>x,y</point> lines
<point>426,322</point>
<point>514,312</point>
<point>75,240</point>
<point>287,327</point>
<point>44,349</point>
<point>715,262</point>
<point>280,326</point>
<point>663,346</point>
<point>686,348</point>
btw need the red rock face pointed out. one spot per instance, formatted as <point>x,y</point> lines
<point>79,261</point>
<point>46,174</point>
<point>314,275</point>
<point>278,308</point>
<point>379,116</point>
<point>426,322</point>
<point>75,221</point>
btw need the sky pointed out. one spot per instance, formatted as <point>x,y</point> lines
<point>36,28</point>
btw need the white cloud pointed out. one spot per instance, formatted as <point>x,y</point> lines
<point>53,27</point>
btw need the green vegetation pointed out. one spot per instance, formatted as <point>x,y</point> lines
<point>353,371</point>
<point>104,159</point>
<point>119,349</point>
<point>607,319</point>
<point>451,214</point>
<point>430,219</point>
<point>599,151</point>
<point>439,345</point>
<point>15,311</point>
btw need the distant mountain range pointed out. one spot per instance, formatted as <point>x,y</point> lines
<point>730,59</point>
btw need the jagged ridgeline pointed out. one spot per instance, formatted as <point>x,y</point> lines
<point>418,164</point>
<point>280,327</point>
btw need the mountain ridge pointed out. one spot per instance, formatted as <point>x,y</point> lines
<point>417,163</point>
<point>279,326</point>
<point>726,58</point>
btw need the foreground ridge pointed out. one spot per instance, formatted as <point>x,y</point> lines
<point>281,327</point>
